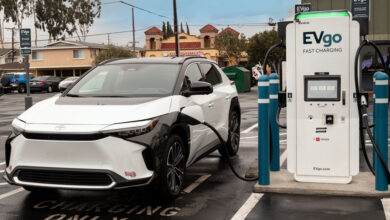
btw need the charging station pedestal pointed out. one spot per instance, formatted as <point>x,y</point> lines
<point>322,114</point>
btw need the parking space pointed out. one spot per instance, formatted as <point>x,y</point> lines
<point>211,190</point>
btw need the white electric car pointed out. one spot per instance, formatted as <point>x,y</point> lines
<point>122,125</point>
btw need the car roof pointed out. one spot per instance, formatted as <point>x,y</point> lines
<point>17,73</point>
<point>162,60</point>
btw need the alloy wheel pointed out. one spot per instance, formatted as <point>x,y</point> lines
<point>234,130</point>
<point>175,167</point>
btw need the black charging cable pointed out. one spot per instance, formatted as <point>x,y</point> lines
<point>225,150</point>
<point>362,110</point>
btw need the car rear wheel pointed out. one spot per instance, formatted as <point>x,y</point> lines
<point>173,168</point>
<point>22,88</point>
<point>233,142</point>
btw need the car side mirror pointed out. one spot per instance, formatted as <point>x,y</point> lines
<point>198,88</point>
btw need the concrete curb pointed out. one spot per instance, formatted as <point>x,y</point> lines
<point>283,182</point>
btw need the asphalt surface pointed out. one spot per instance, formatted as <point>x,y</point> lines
<point>212,191</point>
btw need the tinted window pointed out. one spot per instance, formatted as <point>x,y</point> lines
<point>192,74</point>
<point>42,78</point>
<point>212,75</point>
<point>128,80</point>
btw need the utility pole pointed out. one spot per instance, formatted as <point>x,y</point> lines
<point>175,28</point>
<point>132,15</point>
<point>108,39</point>
<point>13,48</point>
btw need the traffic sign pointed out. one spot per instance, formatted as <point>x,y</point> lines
<point>299,8</point>
<point>25,51</point>
<point>360,8</point>
<point>25,38</point>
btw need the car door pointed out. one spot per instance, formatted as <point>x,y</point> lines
<point>203,138</point>
<point>221,97</point>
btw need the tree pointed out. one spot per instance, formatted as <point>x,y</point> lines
<point>230,45</point>
<point>111,52</point>
<point>188,29</point>
<point>84,13</point>
<point>181,28</point>
<point>259,45</point>
<point>169,30</point>
<point>164,30</point>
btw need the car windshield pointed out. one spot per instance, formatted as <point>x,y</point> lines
<point>41,78</point>
<point>71,79</point>
<point>8,75</point>
<point>128,80</point>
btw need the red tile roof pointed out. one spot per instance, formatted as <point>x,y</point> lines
<point>154,30</point>
<point>229,29</point>
<point>184,45</point>
<point>208,28</point>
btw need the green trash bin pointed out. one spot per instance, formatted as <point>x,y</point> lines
<point>240,76</point>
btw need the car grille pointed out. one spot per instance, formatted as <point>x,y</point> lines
<point>65,177</point>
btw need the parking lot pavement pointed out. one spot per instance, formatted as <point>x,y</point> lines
<point>11,105</point>
<point>212,191</point>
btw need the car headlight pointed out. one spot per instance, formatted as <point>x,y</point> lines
<point>18,126</point>
<point>130,129</point>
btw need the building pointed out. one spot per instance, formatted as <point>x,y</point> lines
<point>379,33</point>
<point>190,45</point>
<point>64,58</point>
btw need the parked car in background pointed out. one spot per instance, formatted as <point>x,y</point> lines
<point>257,71</point>
<point>14,81</point>
<point>45,83</point>
<point>64,84</point>
<point>1,90</point>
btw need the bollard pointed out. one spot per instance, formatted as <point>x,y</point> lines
<point>263,130</point>
<point>381,131</point>
<point>374,129</point>
<point>273,108</point>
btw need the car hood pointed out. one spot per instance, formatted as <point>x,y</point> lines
<point>70,111</point>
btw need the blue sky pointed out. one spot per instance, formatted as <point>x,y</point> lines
<point>242,15</point>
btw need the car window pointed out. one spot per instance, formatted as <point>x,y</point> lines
<point>128,80</point>
<point>192,74</point>
<point>41,78</point>
<point>212,75</point>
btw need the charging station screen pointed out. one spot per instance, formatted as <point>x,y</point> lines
<point>322,88</point>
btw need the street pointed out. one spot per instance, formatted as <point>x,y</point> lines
<point>211,192</point>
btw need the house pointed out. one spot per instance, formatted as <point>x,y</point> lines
<point>63,58</point>
<point>190,45</point>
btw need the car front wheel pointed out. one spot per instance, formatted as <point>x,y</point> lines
<point>22,88</point>
<point>49,89</point>
<point>173,168</point>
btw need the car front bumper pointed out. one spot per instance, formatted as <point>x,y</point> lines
<point>101,164</point>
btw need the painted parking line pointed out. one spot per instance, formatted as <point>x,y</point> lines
<point>250,129</point>
<point>254,198</point>
<point>2,184</point>
<point>2,163</point>
<point>386,207</point>
<point>245,209</point>
<point>10,193</point>
<point>283,157</point>
<point>197,182</point>
<point>243,138</point>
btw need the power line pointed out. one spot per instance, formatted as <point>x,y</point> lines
<point>102,34</point>
<point>134,6</point>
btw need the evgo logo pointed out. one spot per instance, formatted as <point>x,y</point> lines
<point>328,39</point>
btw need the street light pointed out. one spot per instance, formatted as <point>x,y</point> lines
<point>132,16</point>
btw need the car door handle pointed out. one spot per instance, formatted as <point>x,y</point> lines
<point>211,105</point>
